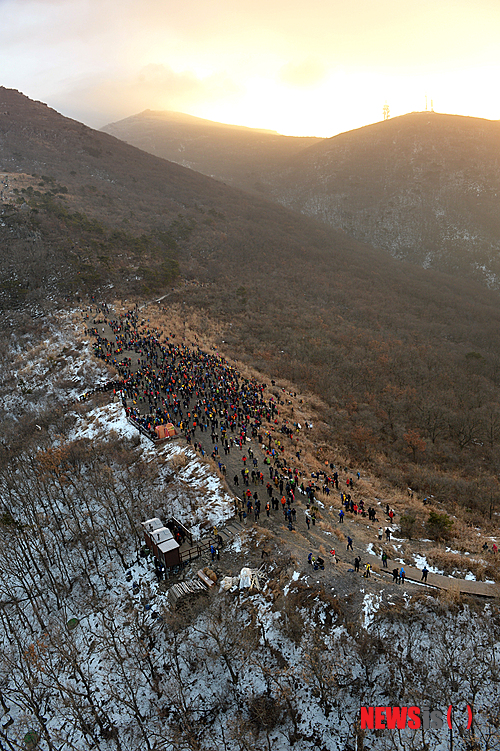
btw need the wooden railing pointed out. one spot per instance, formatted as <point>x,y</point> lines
<point>194,552</point>
<point>145,432</point>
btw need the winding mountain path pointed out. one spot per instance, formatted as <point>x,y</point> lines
<point>311,539</point>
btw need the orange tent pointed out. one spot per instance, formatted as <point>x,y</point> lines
<point>165,431</point>
<point>161,431</point>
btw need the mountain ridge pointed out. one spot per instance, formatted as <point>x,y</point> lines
<point>423,186</point>
<point>398,353</point>
<point>236,155</point>
<point>183,117</point>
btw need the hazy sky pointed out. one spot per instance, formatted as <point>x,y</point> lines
<point>314,67</point>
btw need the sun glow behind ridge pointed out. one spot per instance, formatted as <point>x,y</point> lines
<point>315,69</point>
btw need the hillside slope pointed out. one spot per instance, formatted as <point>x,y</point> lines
<point>425,187</point>
<point>236,155</point>
<point>406,359</point>
<point>115,214</point>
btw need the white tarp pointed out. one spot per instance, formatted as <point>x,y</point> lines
<point>248,579</point>
<point>245,578</point>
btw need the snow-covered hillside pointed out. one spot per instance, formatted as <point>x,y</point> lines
<point>93,657</point>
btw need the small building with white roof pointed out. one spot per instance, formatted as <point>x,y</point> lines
<point>161,542</point>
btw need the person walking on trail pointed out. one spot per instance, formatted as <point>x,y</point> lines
<point>309,558</point>
<point>341,516</point>
<point>387,534</point>
<point>357,561</point>
<point>424,574</point>
<point>384,559</point>
<point>349,543</point>
<point>380,533</point>
<point>212,550</point>
<point>368,569</point>
<point>308,521</point>
<point>395,575</point>
<point>402,575</point>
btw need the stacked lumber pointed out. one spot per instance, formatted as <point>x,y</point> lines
<point>183,592</point>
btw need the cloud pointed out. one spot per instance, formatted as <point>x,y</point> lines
<point>154,86</point>
<point>162,81</point>
<point>242,60</point>
<point>303,74</point>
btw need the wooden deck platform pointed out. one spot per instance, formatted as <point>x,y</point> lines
<point>438,581</point>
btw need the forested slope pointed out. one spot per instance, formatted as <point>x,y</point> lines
<point>407,359</point>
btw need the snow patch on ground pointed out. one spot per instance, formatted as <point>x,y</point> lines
<point>295,577</point>
<point>421,561</point>
<point>55,370</point>
<point>101,421</point>
<point>200,500</point>
<point>371,604</point>
<point>236,545</point>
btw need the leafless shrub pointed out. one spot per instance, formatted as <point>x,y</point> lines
<point>265,711</point>
<point>178,461</point>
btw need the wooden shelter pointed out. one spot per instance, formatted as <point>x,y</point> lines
<point>161,543</point>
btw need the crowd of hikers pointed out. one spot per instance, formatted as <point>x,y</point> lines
<point>209,403</point>
<point>201,394</point>
<point>193,390</point>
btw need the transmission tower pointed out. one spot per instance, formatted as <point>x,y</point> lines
<point>385,110</point>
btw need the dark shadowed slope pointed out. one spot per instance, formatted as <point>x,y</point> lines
<point>425,186</point>
<point>117,213</point>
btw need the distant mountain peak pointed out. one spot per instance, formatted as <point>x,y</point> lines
<point>182,117</point>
